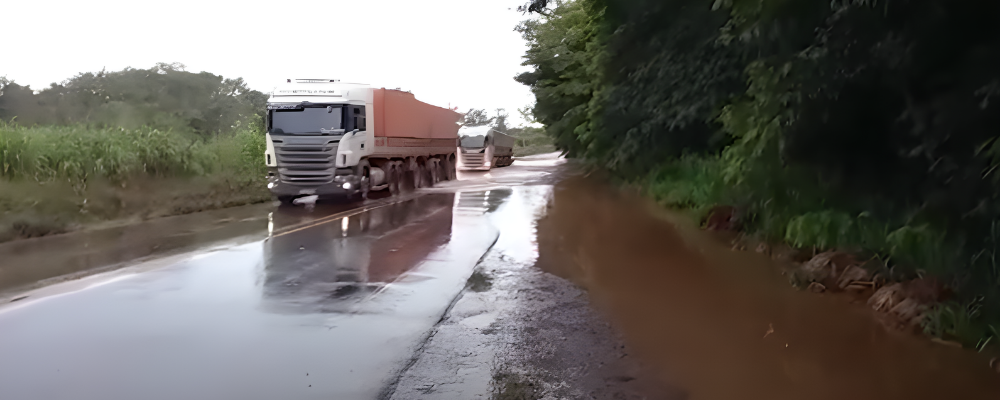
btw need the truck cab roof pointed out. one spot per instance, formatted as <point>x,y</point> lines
<point>317,91</point>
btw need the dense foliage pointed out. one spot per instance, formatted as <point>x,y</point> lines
<point>157,122</point>
<point>77,153</point>
<point>863,124</point>
<point>113,145</point>
<point>163,97</point>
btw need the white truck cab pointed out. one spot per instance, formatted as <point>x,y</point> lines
<point>321,139</point>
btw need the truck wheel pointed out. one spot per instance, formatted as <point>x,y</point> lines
<point>286,200</point>
<point>363,188</point>
<point>392,176</point>
<point>443,169</point>
<point>449,169</point>
<point>433,176</point>
<point>362,170</point>
<point>418,176</point>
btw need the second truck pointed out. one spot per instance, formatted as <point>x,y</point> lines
<point>328,138</point>
<point>483,148</point>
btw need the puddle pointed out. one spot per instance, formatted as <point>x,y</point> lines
<point>480,281</point>
<point>318,269</point>
<point>724,325</point>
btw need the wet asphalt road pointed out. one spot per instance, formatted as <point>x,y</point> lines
<point>325,303</point>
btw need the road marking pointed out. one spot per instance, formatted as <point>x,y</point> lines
<point>349,213</point>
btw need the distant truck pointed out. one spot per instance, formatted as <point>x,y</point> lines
<point>329,138</point>
<point>482,148</point>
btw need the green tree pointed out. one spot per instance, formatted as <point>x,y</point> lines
<point>477,117</point>
<point>500,120</point>
<point>799,111</point>
<point>164,96</point>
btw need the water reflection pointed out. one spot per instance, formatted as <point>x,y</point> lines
<point>328,267</point>
<point>480,202</point>
<point>725,325</point>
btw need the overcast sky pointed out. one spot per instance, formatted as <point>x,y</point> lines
<point>459,52</point>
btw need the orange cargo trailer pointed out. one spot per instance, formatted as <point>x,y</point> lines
<point>400,114</point>
<point>330,138</point>
<point>405,126</point>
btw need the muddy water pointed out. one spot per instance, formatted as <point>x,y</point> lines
<point>700,315</point>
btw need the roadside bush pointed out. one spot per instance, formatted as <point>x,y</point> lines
<point>689,182</point>
<point>79,153</point>
<point>56,178</point>
<point>849,124</point>
<point>136,143</point>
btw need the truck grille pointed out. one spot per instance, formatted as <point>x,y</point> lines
<point>473,160</point>
<point>307,161</point>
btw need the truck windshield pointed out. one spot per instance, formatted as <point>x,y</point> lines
<point>317,120</point>
<point>473,141</point>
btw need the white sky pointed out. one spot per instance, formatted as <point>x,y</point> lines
<point>462,52</point>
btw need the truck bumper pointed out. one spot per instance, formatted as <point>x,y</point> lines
<point>343,185</point>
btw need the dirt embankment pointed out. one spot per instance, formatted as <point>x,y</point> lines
<point>29,209</point>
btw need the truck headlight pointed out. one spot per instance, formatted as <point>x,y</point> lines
<point>271,185</point>
<point>347,186</point>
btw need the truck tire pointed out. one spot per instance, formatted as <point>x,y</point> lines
<point>286,200</point>
<point>392,177</point>
<point>363,188</point>
<point>443,169</point>
<point>433,172</point>
<point>362,170</point>
<point>418,176</point>
<point>452,168</point>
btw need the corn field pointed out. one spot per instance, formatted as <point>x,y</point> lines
<point>76,154</point>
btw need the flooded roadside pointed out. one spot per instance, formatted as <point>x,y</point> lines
<point>725,325</point>
<point>35,262</point>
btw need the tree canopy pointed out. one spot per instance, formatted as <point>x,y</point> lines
<point>164,96</point>
<point>878,111</point>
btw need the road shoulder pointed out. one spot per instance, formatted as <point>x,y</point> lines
<point>518,332</point>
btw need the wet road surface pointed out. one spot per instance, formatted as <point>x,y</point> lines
<point>331,303</point>
<point>347,301</point>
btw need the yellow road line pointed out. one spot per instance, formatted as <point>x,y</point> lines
<point>330,218</point>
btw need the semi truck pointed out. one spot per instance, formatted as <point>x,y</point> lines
<point>334,139</point>
<point>482,148</point>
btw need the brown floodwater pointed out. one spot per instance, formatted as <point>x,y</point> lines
<point>699,315</point>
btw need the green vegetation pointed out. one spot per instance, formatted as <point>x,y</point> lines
<point>861,125</point>
<point>530,141</point>
<point>147,149</point>
<point>165,97</point>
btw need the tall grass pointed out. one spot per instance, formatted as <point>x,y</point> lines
<point>55,178</point>
<point>690,182</point>
<point>79,153</point>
